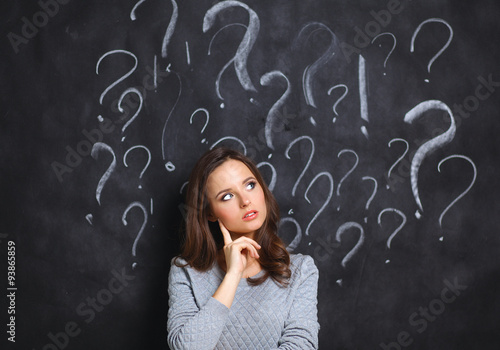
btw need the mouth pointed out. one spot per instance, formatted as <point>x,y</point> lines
<point>250,215</point>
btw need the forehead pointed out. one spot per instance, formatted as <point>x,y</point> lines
<point>227,174</point>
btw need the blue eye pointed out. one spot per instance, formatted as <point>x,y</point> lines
<point>251,185</point>
<point>227,196</point>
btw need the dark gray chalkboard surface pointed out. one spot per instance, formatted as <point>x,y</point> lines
<point>375,123</point>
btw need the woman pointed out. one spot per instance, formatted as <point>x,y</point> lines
<point>235,286</point>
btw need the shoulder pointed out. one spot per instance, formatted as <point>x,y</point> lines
<point>177,260</point>
<point>177,263</point>
<point>180,269</point>
<point>303,266</point>
<point>301,261</point>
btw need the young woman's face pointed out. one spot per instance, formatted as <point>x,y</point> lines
<point>236,198</point>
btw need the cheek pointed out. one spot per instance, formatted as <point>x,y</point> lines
<point>221,212</point>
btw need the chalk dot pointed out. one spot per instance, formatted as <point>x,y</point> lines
<point>364,131</point>
<point>338,208</point>
<point>313,122</point>
<point>334,119</point>
<point>89,218</point>
<point>134,265</point>
<point>204,141</point>
<point>100,118</point>
<point>385,73</point>
<point>426,80</point>
<point>418,215</point>
<point>366,219</point>
<point>123,138</point>
<point>387,261</point>
<point>441,238</point>
<point>339,282</point>
<point>140,186</point>
<point>387,187</point>
<point>222,105</point>
<point>169,166</point>
<point>269,156</point>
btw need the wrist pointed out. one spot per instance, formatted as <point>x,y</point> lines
<point>234,273</point>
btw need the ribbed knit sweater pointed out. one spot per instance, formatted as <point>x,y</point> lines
<point>267,316</point>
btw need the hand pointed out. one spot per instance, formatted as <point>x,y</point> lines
<point>238,252</point>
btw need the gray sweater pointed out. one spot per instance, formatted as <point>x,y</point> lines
<point>266,316</point>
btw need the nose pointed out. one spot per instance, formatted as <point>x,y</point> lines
<point>245,202</point>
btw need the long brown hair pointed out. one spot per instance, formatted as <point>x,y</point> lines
<point>202,239</point>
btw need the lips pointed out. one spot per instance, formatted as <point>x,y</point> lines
<point>250,215</point>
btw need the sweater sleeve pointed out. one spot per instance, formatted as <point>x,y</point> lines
<point>190,326</point>
<point>302,327</point>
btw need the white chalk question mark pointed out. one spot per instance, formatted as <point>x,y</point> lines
<point>311,70</point>
<point>412,46</point>
<point>171,25</point>
<point>401,214</point>
<point>265,80</point>
<point>466,190</point>
<point>431,145</point>
<point>123,77</point>
<point>399,159</point>
<point>298,235</point>
<point>170,29</point>
<point>330,193</point>
<point>272,183</point>
<point>124,221</point>
<point>393,46</point>
<point>341,231</point>
<point>120,108</point>
<point>340,99</point>
<point>349,172</point>
<point>207,119</point>
<point>374,192</point>
<point>308,161</point>
<point>226,66</point>
<point>169,165</point>
<point>96,149</point>
<point>147,163</point>
<point>241,56</point>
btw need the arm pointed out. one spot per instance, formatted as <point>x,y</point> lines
<point>190,326</point>
<point>237,254</point>
<point>301,326</point>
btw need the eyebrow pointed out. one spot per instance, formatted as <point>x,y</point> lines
<point>228,189</point>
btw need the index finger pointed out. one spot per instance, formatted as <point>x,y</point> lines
<point>225,233</point>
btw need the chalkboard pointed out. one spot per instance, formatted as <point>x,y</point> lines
<point>375,124</point>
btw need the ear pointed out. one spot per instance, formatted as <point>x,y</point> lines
<point>211,217</point>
